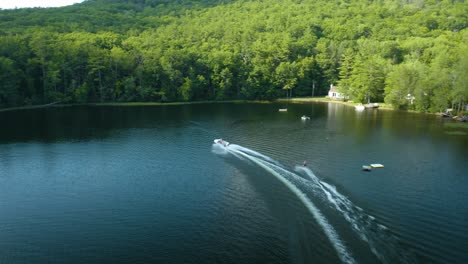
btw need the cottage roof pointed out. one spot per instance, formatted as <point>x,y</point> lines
<point>333,89</point>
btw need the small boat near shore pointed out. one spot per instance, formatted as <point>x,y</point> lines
<point>282,110</point>
<point>447,113</point>
<point>372,105</point>
<point>463,118</point>
<point>304,118</point>
<point>372,166</point>
<point>359,107</point>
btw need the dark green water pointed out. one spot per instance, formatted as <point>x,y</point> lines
<point>146,185</point>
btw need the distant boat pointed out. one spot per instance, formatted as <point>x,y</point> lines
<point>283,110</point>
<point>304,118</point>
<point>463,118</point>
<point>359,107</point>
<point>447,113</point>
<point>372,105</point>
<point>371,166</point>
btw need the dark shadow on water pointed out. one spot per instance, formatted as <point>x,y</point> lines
<point>304,240</point>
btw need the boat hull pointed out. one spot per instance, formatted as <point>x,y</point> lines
<point>360,107</point>
<point>221,142</point>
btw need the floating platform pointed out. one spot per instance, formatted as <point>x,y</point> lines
<point>283,110</point>
<point>377,165</point>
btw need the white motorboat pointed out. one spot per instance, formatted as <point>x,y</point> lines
<point>360,107</point>
<point>372,105</point>
<point>222,142</point>
<point>305,118</point>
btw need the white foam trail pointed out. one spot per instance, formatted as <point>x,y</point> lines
<point>362,224</point>
<point>311,177</point>
<point>221,150</point>
<point>218,149</point>
<point>353,214</point>
<point>330,232</point>
<point>253,153</point>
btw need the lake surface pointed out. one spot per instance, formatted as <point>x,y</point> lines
<point>146,184</point>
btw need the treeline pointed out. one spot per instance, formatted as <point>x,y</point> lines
<point>412,54</point>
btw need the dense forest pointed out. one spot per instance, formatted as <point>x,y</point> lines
<point>412,54</point>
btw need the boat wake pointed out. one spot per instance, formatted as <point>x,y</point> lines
<point>378,238</point>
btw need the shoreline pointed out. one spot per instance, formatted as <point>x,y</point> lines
<point>56,104</point>
<point>178,103</point>
<point>324,99</point>
<point>27,107</point>
<point>321,99</point>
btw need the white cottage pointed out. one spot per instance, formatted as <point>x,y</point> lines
<point>333,93</point>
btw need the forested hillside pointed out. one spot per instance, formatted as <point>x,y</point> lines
<point>186,50</point>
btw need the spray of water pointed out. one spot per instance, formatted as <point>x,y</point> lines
<point>362,224</point>
<point>351,213</point>
<point>328,229</point>
<point>237,148</point>
<point>383,245</point>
